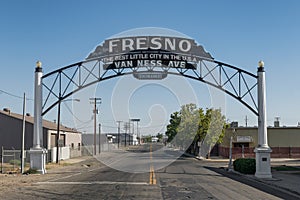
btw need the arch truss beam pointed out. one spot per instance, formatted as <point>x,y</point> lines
<point>68,80</point>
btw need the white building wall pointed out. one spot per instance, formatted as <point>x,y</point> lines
<point>134,139</point>
<point>49,139</point>
<point>64,153</point>
<point>74,138</point>
<point>67,151</point>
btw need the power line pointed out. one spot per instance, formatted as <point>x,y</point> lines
<point>13,95</point>
<point>113,126</point>
<point>109,126</point>
<point>83,125</point>
<point>73,113</point>
<point>154,126</point>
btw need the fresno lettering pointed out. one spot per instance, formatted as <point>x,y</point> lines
<point>158,47</point>
<point>119,45</point>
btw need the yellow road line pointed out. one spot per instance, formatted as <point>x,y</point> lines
<point>152,174</point>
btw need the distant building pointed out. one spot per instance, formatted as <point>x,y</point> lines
<point>234,124</point>
<point>284,141</point>
<point>105,140</point>
<point>11,135</point>
<point>129,139</point>
<point>154,139</point>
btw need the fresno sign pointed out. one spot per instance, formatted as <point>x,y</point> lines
<point>149,51</point>
<point>154,43</point>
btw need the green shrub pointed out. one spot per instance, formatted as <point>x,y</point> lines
<point>286,168</point>
<point>15,162</point>
<point>245,165</point>
<point>30,171</point>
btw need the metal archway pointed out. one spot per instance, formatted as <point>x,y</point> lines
<point>236,82</point>
<point>171,56</point>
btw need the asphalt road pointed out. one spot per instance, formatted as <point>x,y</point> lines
<point>145,172</point>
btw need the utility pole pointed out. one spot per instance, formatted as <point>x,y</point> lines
<point>126,126</point>
<point>129,132</point>
<point>246,120</point>
<point>95,101</point>
<point>138,132</point>
<point>137,126</point>
<point>23,136</point>
<point>58,130</point>
<point>230,156</point>
<point>119,122</point>
<point>99,138</point>
<point>230,167</point>
<point>58,140</point>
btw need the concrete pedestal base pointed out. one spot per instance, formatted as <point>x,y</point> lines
<point>38,160</point>
<point>263,165</point>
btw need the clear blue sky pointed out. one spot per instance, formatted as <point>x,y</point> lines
<point>236,32</point>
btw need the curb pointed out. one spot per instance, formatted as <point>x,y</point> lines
<point>272,189</point>
<point>271,184</point>
<point>248,177</point>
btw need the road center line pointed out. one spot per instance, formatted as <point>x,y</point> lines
<point>91,183</point>
<point>152,180</point>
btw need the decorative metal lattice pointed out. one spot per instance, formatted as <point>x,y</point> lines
<point>68,80</point>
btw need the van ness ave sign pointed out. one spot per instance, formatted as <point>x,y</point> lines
<point>149,51</point>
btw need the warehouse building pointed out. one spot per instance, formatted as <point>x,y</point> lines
<point>284,141</point>
<point>11,135</point>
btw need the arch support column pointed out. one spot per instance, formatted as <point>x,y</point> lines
<point>37,152</point>
<point>262,151</point>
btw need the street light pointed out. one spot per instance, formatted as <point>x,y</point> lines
<point>261,63</point>
<point>137,124</point>
<point>230,150</point>
<point>58,125</point>
<point>119,122</point>
<point>126,127</point>
<point>262,151</point>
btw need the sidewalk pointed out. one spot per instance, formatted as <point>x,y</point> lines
<point>285,180</point>
<point>76,160</point>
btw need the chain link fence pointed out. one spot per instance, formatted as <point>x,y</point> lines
<point>11,160</point>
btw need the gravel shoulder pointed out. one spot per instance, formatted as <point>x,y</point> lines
<point>11,182</point>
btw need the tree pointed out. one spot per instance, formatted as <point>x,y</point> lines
<point>193,125</point>
<point>203,125</point>
<point>147,139</point>
<point>172,127</point>
<point>160,137</point>
<point>187,129</point>
<point>182,128</point>
<point>216,131</point>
